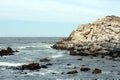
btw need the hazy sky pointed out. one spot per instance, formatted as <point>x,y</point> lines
<point>50,18</point>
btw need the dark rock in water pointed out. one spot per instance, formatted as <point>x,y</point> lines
<point>8,51</point>
<point>72,72</point>
<point>62,73</point>
<point>53,73</point>
<point>84,69</point>
<point>44,66</point>
<point>118,73</point>
<point>68,64</point>
<point>97,71</point>
<point>31,66</point>
<point>80,59</point>
<point>45,60</point>
<point>49,64</point>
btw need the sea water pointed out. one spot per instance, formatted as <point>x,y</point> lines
<point>33,49</point>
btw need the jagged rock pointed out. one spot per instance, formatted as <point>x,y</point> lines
<point>31,66</point>
<point>8,51</point>
<point>85,69</point>
<point>72,72</point>
<point>97,71</point>
<point>101,37</point>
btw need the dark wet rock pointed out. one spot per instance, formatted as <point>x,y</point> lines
<point>85,69</point>
<point>72,72</point>
<point>31,66</point>
<point>8,51</point>
<point>102,56</point>
<point>68,64</point>
<point>45,60</point>
<point>74,67</point>
<point>80,59</point>
<point>97,71</point>
<point>114,66</point>
<point>53,73</point>
<point>44,66</point>
<point>118,73</point>
<point>49,64</point>
<point>62,73</point>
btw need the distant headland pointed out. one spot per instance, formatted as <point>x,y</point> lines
<point>101,37</point>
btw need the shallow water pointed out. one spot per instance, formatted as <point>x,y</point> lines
<point>34,49</point>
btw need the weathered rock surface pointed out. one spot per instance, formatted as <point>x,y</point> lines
<point>99,37</point>
<point>8,51</point>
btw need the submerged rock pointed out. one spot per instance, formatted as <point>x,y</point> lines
<point>45,60</point>
<point>44,66</point>
<point>72,72</point>
<point>101,37</point>
<point>8,51</point>
<point>97,71</point>
<point>85,69</point>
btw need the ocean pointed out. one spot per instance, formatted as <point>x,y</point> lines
<point>32,49</point>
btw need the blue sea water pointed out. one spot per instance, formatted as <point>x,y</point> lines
<point>33,49</point>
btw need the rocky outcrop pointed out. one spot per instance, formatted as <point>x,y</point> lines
<point>99,37</point>
<point>31,66</point>
<point>8,51</point>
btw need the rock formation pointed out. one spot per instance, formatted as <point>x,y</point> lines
<point>31,66</point>
<point>99,37</point>
<point>8,51</point>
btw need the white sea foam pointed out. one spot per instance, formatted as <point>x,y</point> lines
<point>57,56</point>
<point>40,45</point>
<point>11,64</point>
<point>42,73</point>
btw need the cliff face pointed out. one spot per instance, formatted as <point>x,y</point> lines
<point>107,28</point>
<point>101,36</point>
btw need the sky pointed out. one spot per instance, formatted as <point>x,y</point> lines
<point>51,18</point>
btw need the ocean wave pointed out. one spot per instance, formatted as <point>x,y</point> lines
<point>10,64</point>
<point>57,56</point>
<point>35,46</point>
<point>42,73</point>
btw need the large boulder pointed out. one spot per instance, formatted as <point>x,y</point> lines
<point>99,37</point>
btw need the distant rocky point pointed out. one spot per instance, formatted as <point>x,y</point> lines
<point>99,37</point>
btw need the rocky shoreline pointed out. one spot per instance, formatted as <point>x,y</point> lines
<point>101,37</point>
